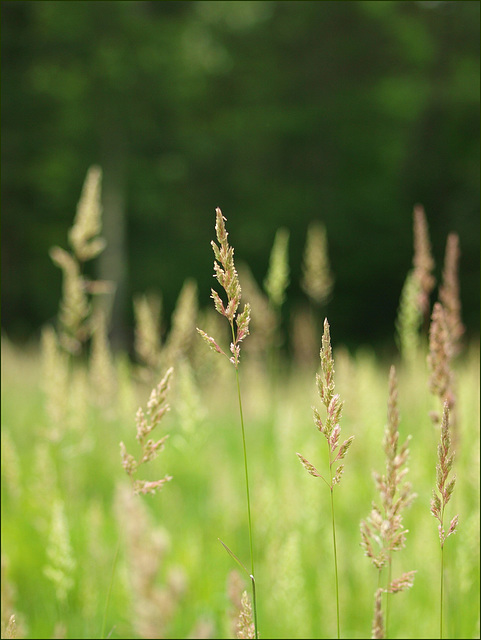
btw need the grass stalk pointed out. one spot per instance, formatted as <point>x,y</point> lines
<point>335,564</point>
<point>249,517</point>
<point>383,532</point>
<point>334,545</point>
<point>442,496</point>
<point>330,428</point>
<point>442,595</point>
<point>226,274</point>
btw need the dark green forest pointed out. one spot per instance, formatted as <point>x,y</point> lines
<point>279,113</point>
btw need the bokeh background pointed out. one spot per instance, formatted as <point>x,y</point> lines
<point>281,113</point>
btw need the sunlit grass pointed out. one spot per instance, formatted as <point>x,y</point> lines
<point>205,501</point>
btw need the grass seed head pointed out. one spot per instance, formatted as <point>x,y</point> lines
<point>74,307</point>
<point>317,280</point>
<point>382,532</point>
<point>88,222</point>
<point>402,583</point>
<point>245,626</point>
<point>226,275</point>
<point>444,487</point>
<point>330,428</point>
<point>11,628</point>
<point>409,319</point>
<point>449,293</point>
<point>146,421</point>
<point>147,344</point>
<point>423,261</point>
<point>439,353</point>
<point>184,316</point>
<point>277,279</point>
<point>378,621</point>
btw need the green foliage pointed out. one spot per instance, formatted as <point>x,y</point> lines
<point>281,109</point>
<point>203,502</point>
<point>281,113</point>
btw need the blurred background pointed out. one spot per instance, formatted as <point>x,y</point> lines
<point>280,113</point>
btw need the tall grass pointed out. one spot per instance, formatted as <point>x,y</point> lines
<point>331,430</point>
<point>291,513</point>
<point>226,275</point>
<point>439,502</point>
<point>66,502</point>
<point>383,531</point>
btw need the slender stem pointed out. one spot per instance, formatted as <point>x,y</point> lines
<point>334,544</point>
<point>254,603</point>
<point>335,562</point>
<point>442,572</point>
<point>253,582</point>
<point>442,593</point>
<point>102,635</point>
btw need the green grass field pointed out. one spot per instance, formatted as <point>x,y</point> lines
<point>84,556</point>
<point>171,577</point>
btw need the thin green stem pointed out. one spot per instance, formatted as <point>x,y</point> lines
<point>254,603</point>
<point>335,563</point>
<point>253,582</point>
<point>442,574</point>
<point>442,593</point>
<point>334,544</point>
<point>107,603</point>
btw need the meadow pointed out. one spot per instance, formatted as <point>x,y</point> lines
<point>83,556</point>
